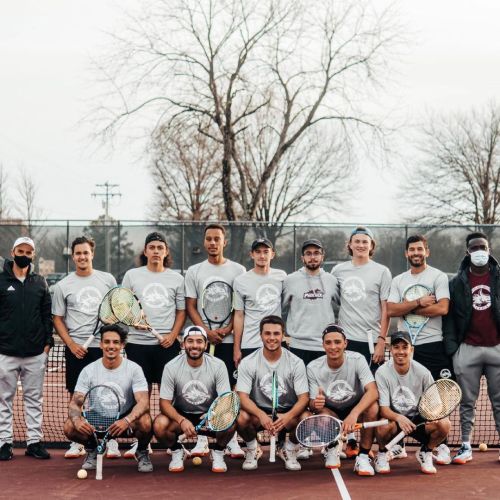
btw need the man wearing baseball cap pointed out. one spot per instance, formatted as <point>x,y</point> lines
<point>25,340</point>
<point>189,385</point>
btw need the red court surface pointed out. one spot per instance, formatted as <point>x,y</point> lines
<point>24,477</point>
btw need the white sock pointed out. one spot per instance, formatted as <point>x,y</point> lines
<point>466,444</point>
<point>352,436</point>
<point>252,445</point>
<point>290,446</point>
<point>234,439</point>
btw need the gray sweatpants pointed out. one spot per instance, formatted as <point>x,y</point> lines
<point>31,371</point>
<point>469,363</point>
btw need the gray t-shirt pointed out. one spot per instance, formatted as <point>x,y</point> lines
<point>127,379</point>
<point>161,295</point>
<point>309,300</point>
<point>192,390</point>
<point>361,290</point>
<point>255,378</point>
<point>344,386</point>
<point>436,281</point>
<point>77,299</point>
<point>402,392</point>
<point>257,296</point>
<point>202,274</point>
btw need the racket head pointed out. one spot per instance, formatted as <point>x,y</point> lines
<point>439,399</point>
<point>217,301</point>
<point>106,314</point>
<point>223,411</point>
<point>126,307</point>
<point>274,394</point>
<point>101,407</point>
<point>414,292</point>
<point>318,431</point>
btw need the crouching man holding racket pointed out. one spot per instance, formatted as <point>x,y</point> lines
<point>341,385</point>
<point>127,380</point>
<point>401,383</point>
<point>189,386</point>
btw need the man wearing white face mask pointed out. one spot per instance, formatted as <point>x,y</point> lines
<point>471,333</point>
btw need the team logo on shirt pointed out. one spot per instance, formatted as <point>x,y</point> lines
<point>268,297</point>
<point>403,400</point>
<point>353,289</point>
<point>313,294</point>
<point>104,398</point>
<point>155,295</point>
<point>195,392</point>
<point>88,299</point>
<point>481,298</point>
<point>339,391</point>
<point>266,383</point>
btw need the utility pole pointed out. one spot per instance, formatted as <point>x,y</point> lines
<point>106,194</point>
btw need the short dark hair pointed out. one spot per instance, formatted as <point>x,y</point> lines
<point>271,320</point>
<point>333,328</point>
<point>214,226</point>
<point>354,233</point>
<point>117,329</point>
<point>473,236</point>
<point>167,260</point>
<point>414,238</point>
<point>82,240</point>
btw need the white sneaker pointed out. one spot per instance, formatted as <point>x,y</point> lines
<point>304,453</point>
<point>397,452</point>
<point>177,462</point>
<point>443,455</point>
<point>201,447</point>
<point>130,453</point>
<point>75,450</point>
<point>290,458</point>
<point>424,458</point>
<point>233,448</point>
<point>381,463</point>
<point>252,456</point>
<point>463,455</point>
<point>218,463</point>
<point>112,450</point>
<point>363,466</point>
<point>332,457</point>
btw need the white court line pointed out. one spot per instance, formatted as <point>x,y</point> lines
<point>344,494</point>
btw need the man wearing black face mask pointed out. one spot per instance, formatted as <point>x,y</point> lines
<point>25,340</point>
<point>472,333</point>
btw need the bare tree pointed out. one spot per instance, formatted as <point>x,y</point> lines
<point>241,67</point>
<point>28,208</point>
<point>458,179</point>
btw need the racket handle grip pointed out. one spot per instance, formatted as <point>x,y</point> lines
<point>394,441</point>
<point>376,423</point>
<point>272,449</point>
<point>88,341</point>
<point>157,335</point>
<point>98,468</point>
<point>181,438</point>
<point>212,349</point>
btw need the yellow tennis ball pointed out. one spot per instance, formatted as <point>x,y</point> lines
<point>196,461</point>
<point>483,447</point>
<point>81,474</point>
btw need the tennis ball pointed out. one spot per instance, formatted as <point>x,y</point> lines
<point>483,447</point>
<point>196,461</point>
<point>81,474</point>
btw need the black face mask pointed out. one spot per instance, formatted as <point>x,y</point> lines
<point>22,261</point>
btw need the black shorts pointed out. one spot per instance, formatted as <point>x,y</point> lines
<point>225,353</point>
<point>434,358</point>
<point>74,366</point>
<point>247,352</point>
<point>419,433</point>
<point>194,418</point>
<point>364,349</point>
<point>152,358</point>
<point>343,413</point>
<point>306,356</point>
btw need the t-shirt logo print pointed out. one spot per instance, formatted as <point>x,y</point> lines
<point>155,295</point>
<point>404,400</point>
<point>354,289</point>
<point>340,391</point>
<point>267,297</point>
<point>481,298</point>
<point>105,400</point>
<point>88,299</point>
<point>313,294</point>
<point>266,384</point>
<point>195,392</point>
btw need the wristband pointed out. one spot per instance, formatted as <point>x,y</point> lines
<point>127,420</point>
<point>380,337</point>
<point>182,420</point>
<point>418,303</point>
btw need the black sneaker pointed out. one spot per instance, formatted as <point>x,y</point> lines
<point>6,452</point>
<point>37,450</point>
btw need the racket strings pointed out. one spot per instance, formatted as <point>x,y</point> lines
<point>101,408</point>
<point>224,412</point>
<point>217,301</point>
<point>439,400</point>
<point>318,431</point>
<point>125,307</point>
<point>413,293</point>
<point>106,314</point>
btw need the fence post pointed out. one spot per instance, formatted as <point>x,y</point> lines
<point>294,247</point>
<point>182,249</point>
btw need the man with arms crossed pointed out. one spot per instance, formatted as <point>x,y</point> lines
<point>342,385</point>
<point>161,292</point>
<point>472,333</point>
<point>189,386</point>
<point>428,346</point>
<point>198,277</point>
<point>401,382</point>
<point>127,378</point>
<point>75,306</point>
<point>364,288</point>
<point>254,387</point>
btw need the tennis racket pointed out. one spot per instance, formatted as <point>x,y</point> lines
<point>437,402</point>
<point>221,415</point>
<point>101,408</point>
<point>127,309</point>
<point>274,412</point>
<point>318,431</point>
<point>217,305</point>
<point>415,322</point>
<point>104,315</point>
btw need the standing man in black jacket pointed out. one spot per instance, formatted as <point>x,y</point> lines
<point>472,333</point>
<point>25,340</point>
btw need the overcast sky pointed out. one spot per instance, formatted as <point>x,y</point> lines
<point>453,64</point>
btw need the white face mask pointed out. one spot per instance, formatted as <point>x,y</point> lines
<point>479,258</point>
